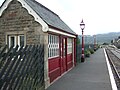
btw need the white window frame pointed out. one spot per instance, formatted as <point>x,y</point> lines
<point>53,46</point>
<point>17,39</point>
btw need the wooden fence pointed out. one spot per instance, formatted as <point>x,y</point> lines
<point>22,68</point>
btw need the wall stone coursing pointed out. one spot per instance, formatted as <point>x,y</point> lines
<point>16,19</point>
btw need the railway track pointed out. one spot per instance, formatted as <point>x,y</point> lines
<point>115,64</point>
<point>118,51</point>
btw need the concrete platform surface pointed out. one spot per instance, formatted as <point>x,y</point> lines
<point>90,75</point>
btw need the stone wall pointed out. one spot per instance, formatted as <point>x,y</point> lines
<point>16,20</point>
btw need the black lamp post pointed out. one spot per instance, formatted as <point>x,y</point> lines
<point>82,26</point>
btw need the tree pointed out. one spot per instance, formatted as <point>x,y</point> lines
<point>112,41</point>
<point>119,37</point>
<point>78,40</point>
<point>105,44</point>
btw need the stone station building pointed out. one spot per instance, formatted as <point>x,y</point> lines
<point>26,22</point>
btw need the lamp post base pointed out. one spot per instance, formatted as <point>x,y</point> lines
<point>82,59</point>
<point>94,49</point>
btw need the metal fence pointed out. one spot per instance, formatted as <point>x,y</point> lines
<point>22,68</point>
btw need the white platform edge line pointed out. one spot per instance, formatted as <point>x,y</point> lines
<point>113,83</point>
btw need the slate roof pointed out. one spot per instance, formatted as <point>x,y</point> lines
<point>49,16</point>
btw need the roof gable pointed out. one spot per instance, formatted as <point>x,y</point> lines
<point>30,11</point>
<point>42,15</point>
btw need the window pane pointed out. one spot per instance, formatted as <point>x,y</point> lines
<point>21,40</point>
<point>12,43</point>
<point>69,45</point>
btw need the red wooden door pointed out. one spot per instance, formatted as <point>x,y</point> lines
<point>63,56</point>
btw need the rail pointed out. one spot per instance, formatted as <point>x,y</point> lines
<point>115,63</point>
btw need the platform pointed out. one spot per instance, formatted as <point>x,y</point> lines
<point>93,74</point>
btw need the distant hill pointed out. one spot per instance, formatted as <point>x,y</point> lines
<point>101,38</point>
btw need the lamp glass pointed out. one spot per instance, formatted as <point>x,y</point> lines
<point>82,25</point>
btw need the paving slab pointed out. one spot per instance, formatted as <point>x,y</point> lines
<point>90,75</point>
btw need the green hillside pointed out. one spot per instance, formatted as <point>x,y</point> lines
<point>101,38</point>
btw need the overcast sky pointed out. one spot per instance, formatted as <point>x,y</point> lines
<point>99,16</point>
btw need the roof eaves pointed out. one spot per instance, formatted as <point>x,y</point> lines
<point>62,30</point>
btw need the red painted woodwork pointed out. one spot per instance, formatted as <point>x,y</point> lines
<point>53,63</point>
<point>63,55</point>
<point>54,68</point>
<point>54,74</point>
<point>61,64</point>
<point>69,61</point>
<point>64,67</point>
<point>75,51</point>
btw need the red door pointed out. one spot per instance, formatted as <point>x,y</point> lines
<point>63,55</point>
